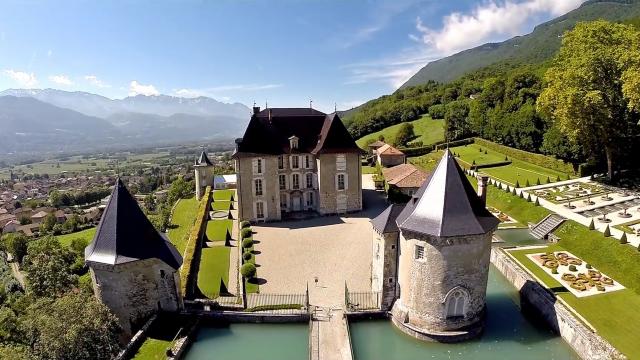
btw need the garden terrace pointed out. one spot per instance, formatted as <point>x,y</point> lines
<point>182,219</point>
<point>495,164</point>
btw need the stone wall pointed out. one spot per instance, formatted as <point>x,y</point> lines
<point>534,297</point>
<point>448,263</point>
<point>384,265</point>
<point>327,192</point>
<point>270,187</point>
<point>203,178</point>
<point>134,291</point>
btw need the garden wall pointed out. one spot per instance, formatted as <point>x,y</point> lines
<point>536,159</point>
<point>537,299</point>
<point>194,246</point>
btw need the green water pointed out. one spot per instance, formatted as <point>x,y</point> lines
<point>516,237</point>
<point>251,341</point>
<point>508,335</point>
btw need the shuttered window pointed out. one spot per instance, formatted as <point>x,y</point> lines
<point>295,181</point>
<point>282,180</point>
<point>257,187</point>
<point>258,166</point>
<point>309,180</point>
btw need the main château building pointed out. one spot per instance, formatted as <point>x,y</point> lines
<point>295,160</point>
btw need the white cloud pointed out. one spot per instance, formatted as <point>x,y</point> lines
<point>61,80</point>
<point>93,80</point>
<point>135,88</point>
<point>491,20</point>
<point>49,53</point>
<point>22,78</point>
<point>488,21</point>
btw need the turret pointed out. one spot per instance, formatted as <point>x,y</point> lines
<point>203,169</point>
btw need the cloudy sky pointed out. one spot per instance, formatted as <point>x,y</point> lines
<point>285,52</point>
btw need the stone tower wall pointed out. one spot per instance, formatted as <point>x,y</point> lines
<point>448,263</point>
<point>133,291</point>
<point>383,269</point>
<point>204,178</point>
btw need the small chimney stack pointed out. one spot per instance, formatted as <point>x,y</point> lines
<point>482,188</point>
<point>256,109</point>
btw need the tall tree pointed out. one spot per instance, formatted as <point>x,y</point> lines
<point>404,135</point>
<point>593,87</point>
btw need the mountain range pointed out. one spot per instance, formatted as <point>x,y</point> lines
<point>50,120</point>
<point>536,47</point>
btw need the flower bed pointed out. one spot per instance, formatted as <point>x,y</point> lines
<point>574,274</point>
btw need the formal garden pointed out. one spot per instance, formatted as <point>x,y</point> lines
<point>248,270</point>
<point>574,191</point>
<point>182,219</point>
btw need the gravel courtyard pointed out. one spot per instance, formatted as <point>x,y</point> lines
<point>333,249</point>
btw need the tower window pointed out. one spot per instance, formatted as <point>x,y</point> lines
<point>309,180</point>
<point>258,187</point>
<point>456,302</point>
<point>341,182</point>
<point>162,274</point>
<point>419,252</point>
<point>295,181</point>
<point>295,162</point>
<point>282,180</point>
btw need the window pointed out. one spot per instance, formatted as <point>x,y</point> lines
<point>162,274</point>
<point>307,161</point>
<point>310,199</point>
<point>295,181</point>
<point>341,182</point>
<point>341,162</point>
<point>390,280</point>
<point>419,252</point>
<point>260,210</point>
<point>280,162</point>
<point>295,162</point>
<point>258,165</point>
<point>282,180</point>
<point>456,302</point>
<point>309,180</point>
<point>258,187</point>
<point>283,201</point>
<point>259,162</point>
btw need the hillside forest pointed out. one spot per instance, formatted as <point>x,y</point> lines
<point>501,102</point>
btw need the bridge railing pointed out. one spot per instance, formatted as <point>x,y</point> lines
<point>362,300</point>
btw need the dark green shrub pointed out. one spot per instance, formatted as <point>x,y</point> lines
<point>248,270</point>
<point>246,232</point>
<point>554,270</point>
<point>623,239</point>
<point>572,268</point>
<point>247,243</point>
<point>529,197</point>
<point>538,181</point>
<point>527,184</point>
<point>548,180</point>
<point>517,183</point>
<point>558,178</point>
<point>588,266</point>
<point>607,231</point>
<point>245,224</point>
<point>537,203</point>
<point>247,255</point>
<point>592,226</point>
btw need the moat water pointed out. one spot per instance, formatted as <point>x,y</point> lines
<point>508,335</point>
<point>516,237</point>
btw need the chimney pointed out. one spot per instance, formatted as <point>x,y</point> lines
<point>256,109</point>
<point>482,188</point>
<point>269,115</point>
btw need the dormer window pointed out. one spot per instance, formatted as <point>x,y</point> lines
<point>293,142</point>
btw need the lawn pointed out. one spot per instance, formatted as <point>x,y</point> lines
<point>222,194</point>
<point>214,270</point>
<point>152,349</point>
<point>368,170</point>
<point>518,171</point>
<point>183,217</point>
<point>86,235</point>
<point>615,315</point>
<point>427,162</point>
<point>427,130</point>
<point>221,205</point>
<point>217,229</point>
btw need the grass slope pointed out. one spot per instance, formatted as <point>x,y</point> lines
<point>426,129</point>
<point>183,217</point>
<point>217,229</point>
<point>86,235</point>
<point>214,269</point>
<point>224,195</point>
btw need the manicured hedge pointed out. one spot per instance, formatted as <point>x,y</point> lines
<point>490,165</point>
<point>536,159</point>
<point>417,151</point>
<point>197,231</point>
<point>443,144</point>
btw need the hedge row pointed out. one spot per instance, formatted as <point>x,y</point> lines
<point>274,307</point>
<point>536,159</point>
<point>197,231</point>
<point>490,165</point>
<point>443,144</point>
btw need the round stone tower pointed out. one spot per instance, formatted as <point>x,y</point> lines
<point>203,168</point>
<point>443,266</point>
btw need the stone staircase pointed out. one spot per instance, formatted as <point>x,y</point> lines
<point>542,229</point>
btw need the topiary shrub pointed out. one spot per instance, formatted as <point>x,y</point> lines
<point>558,178</point>
<point>507,189</point>
<point>527,184</point>
<point>248,270</point>
<point>247,243</point>
<point>529,197</point>
<point>537,203</point>
<point>245,224</point>
<point>517,183</point>
<point>513,191</point>
<point>506,158</point>
<point>588,266</point>
<point>246,232</point>
<point>607,231</point>
<point>538,181</point>
<point>592,226</point>
<point>623,239</point>
<point>485,152</point>
<point>554,271</point>
<point>572,268</point>
<point>247,256</point>
<point>473,163</point>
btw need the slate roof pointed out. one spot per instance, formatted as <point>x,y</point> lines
<point>447,205</point>
<point>269,131</point>
<point>404,176</point>
<point>125,234</point>
<point>204,159</point>
<point>386,222</point>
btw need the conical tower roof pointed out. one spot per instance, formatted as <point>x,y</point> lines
<point>125,234</point>
<point>447,205</point>
<point>204,159</point>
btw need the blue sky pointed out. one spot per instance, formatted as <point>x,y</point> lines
<point>281,51</point>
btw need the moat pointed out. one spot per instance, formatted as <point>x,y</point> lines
<point>508,334</point>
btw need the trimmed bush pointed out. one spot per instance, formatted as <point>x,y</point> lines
<point>538,181</point>
<point>197,231</point>
<point>506,158</point>
<point>246,232</point>
<point>517,183</point>
<point>245,224</point>
<point>507,189</point>
<point>548,180</point>
<point>537,203</point>
<point>247,243</point>
<point>607,231</point>
<point>536,159</point>
<point>247,255</point>
<point>529,197</point>
<point>248,270</point>
<point>623,239</point>
<point>554,271</point>
<point>572,268</point>
<point>588,266</point>
<point>514,191</point>
<point>558,178</point>
<point>592,226</point>
<point>527,184</point>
